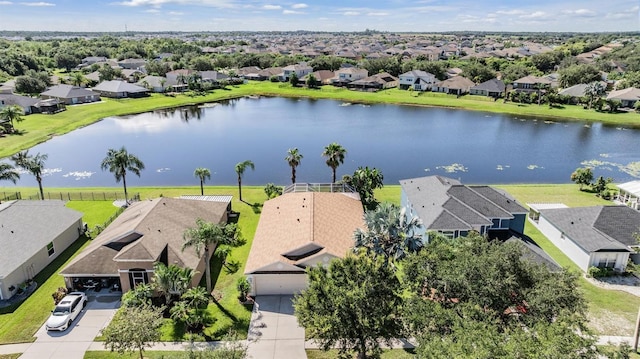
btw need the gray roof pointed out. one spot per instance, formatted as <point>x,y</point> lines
<point>116,86</point>
<point>68,91</point>
<point>579,225</point>
<point>153,81</point>
<point>142,232</point>
<point>445,204</point>
<point>493,85</point>
<point>619,223</point>
<point>22,101</point>
<point>26,227</point>
<point>531,251</point>
<point>574,91</point>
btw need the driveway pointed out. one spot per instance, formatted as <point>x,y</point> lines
<point>274,332</point>
<point>73,342</point>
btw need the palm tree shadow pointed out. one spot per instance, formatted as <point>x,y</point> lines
<point>256,207</point>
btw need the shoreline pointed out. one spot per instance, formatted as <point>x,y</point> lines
<point>44,127</point>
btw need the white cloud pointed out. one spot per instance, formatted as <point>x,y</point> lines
<point>377,14</point>
<point>152,11</point>
<point>510,12</point>
<point>41,3</point>
<point>534,15</point>
<point>291,12</point>
<point>299,6</point>
<point>176,13</point>
<point>159,3</point>
<point>272,7</point>
<point>581,12</point>
<point>350,13</point>
<point>5,3</point>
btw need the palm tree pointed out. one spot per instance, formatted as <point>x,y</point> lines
<point>389,233</point>
<point>119,162</point>
<point>32,164</point>
<point>171,279</point>
<point>8,173</point>
<point>240,168</point>
<point>594,91</point>
<point>206,235</point>
<point>203,174</point>
<point>293,158</point>
<point>12,113</point>
<point>196,297</point>
<point>335,156</point>
<point>77,79</point>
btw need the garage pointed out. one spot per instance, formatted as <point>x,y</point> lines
<point>272,284</point>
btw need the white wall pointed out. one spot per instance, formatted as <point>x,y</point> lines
<point>273,284</point>
<point>567,246</point>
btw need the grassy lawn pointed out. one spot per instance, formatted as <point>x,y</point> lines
<point>387,354</point>
<point>38,127</point>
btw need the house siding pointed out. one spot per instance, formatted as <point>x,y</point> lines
<point>517,223</point>
<point>581,258</point>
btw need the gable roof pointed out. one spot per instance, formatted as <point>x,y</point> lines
<point>417,74</point>
<point>579,224</point>
<point>143,231</point>
<point>456,82</point>
<point>116,86</point>
<point>630,94</point>
<point>26,227</point>
<point>532,252</point>
<point>532,80</point>
<point>68,91</point>
<point>493,85</point>
<point>301,224</point>
<point>445,204</point>
<point>19,100</point>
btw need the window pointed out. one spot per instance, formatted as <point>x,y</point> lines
<point>50,249</point>
<point>138,276</point>
<point>448,234</point>
<point>607,260</point>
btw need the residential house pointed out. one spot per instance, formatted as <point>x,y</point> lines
<point>213,76</point>
<point>132,64</point>
<point>446,206</point>
<point>598,236</point>
<point>70,95</point>
<point>131,75</point>
<point>376,82</point>
<point>324,76</point>
<point>458,85</point>
<point>248,70</point>
<point>629,194</point>
<point>628,97</point>
<point>300,70</point>
<point>531,83</point>
<point>90,60</point>
<point>418,80</point>
<point>120,89</point>
<point>147,232</point>
<point>574,93</point>
<point>453,72</point>
<point>156,84</point>
<point>27,104</point>
<point>300,229</point>
<point>492,88</point>
<point>265,74</point>
<point>345,75</point>
<point>32,235</point>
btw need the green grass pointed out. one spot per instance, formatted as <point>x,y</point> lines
<point>38,128</point>
<point>94,212</point>
<point>10,356</point>
<point>603,303</point>
<point>387,354</point>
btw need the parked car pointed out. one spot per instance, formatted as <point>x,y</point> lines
<point>66,311</point>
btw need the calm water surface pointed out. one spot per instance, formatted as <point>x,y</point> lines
<point>402,141</point>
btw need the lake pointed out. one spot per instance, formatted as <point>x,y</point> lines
<point>401,141</point>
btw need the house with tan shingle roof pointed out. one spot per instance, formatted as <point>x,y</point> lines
<point>145,233</point>
<point>298,230</point>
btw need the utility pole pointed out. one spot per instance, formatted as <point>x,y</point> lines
<point>636,333</point>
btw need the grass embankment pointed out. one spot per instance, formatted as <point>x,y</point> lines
<point>38,128</point>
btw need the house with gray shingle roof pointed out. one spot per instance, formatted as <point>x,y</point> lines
<point>598,236</point>
<point>146,232</point>
<point>120,89</point>
<point>32,235</point>
<point>417,79</point>
<point>492,88</point>
<point>70,95</point>
<point>446,206</point>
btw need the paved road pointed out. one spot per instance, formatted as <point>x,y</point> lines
<point>274,332</point>
<point>73,342</point>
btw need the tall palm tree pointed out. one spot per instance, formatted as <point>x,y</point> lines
<point>8,173</point>
<point>206,235</point>
<point>389,233</point>
<point>335,156</point>
<point>203,174</point>
<point>12,113</point>
<point>32,164</point>
<point>119,162</point>
<point>293,159</point>
<point>240,168</point>
<point>77,79</point>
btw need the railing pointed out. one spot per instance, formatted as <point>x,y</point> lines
<point>10,196</point>
<point>319,187</point>
<point>69,196</point>
<point>94,232</point>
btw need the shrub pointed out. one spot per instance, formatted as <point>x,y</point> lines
<point>596,272</point>
<point>59,294</point>
<point>244,287</point>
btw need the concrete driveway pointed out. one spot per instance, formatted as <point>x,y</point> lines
<point>73,342</point>
<point>274,332</point>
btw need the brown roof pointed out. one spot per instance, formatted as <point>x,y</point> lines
<point>143,231</point>
<point>304,226</point>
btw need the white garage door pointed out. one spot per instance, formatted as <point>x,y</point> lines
<point>269,284</point>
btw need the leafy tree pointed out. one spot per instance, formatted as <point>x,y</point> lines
<point>203,174</point>
<point>133,329</point>
<point>312,82</point>
<point>240,168</point>
<point>11,113</point>
<point>389,233</point>
<point>244,287</point>
<point>334,153</point>
<point>193,317</point>
<point>593,91</point>
<point>613,105</point>
<point>272,191</point>
<point>353,304</point>
<point>29,85</point>
<point>8,173</point>
<point>206,235</point>
<point>578,74</point>
<point>138,296</point>
<point>600,185</point>
<point>293,159</point>
<point>119,162</point>
<point>66,61</point>
<point>365,181</point>
<point>515,71</point>
<point>32,164</point>
<point>293,79</point>
<point>108,73</point>
<point>582,176</point>
<point>478,72</point>
<point>77,79</point>
<point>331,63</point>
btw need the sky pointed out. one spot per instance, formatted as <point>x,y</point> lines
<point>321,15</point>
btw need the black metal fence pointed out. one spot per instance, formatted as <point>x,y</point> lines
<point>68,196</point>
